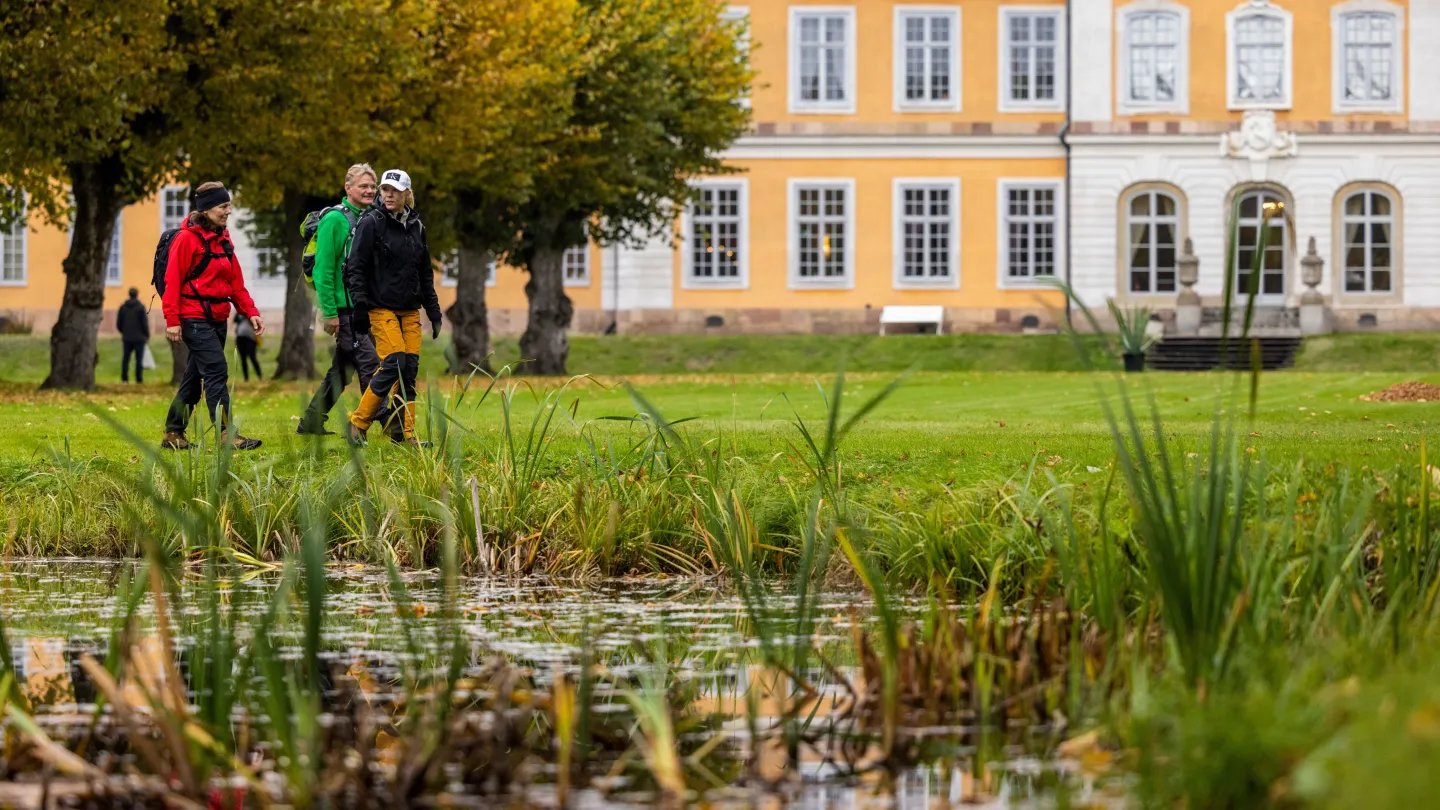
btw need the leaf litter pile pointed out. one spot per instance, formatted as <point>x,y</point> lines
<point>1405,392</point>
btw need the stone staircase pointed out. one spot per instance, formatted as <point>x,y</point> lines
<point>1275,329</point>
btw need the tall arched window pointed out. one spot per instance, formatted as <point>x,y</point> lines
<point>1152,227</point>
<point>1254,204</point>
<point>1367,222</point>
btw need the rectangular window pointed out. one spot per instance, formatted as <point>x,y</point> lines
<point>576,263</point>
<point>114,272</point>
<point>716,223</point>
<point>823,226</point>
<point>1261,61</point>
<point>1154,40</point>
<point>739,16</point>
<point>450,271</point>
<point>926,232</point>
<point>927,62</point>
<point>823,59</point>
<point>1029,228</point>
<point>1154,225</point>
<point>1368,224</point>
<point>269,263</point>
<point>1031,59</point>
<point>174,205</point>
<point>1369,54</point>
<point>12,251</point>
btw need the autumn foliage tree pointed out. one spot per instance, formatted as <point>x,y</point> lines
<point>653,102</point>
<point>490,100</point>
<point>298,94</point>
<point>97,98</point>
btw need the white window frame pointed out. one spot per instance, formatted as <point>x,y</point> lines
<point>446,280</point>
<point>1285,224</point>
<point>903,104</point>
<point>742,281</point>
<point>897,206</point>
<point>1153,220</point>
<point>115,257</point>
<point>792,220</point>
<point>185,205</point>
<point>1396,102</point>
<point>1057,104</point>
<point>822,107</point>
<point>741,14</point>
<point>22,225</point>
<point>1002,252</point>
<point>1180,105</point>
<point>1366,220</point>
<point>584,251</point>
<point>1248,10</point>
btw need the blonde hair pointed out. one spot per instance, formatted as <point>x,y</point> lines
<point>356,171</point>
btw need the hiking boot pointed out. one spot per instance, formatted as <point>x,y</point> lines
<point>175,441</point>
<point>394,428</point>
<point>354,435</point>
<point>315,430</point>
<point>242,443</point>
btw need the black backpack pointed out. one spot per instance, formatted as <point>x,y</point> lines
<point>162,261</point>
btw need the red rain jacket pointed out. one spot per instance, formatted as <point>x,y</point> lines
<point>221,283</point>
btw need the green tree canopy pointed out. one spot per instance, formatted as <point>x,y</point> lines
<point>97,99</point>
<point>654,102</point>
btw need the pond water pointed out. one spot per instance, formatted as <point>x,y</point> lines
<point>696,633</point>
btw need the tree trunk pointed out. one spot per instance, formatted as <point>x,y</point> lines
<point>297,345</point>
<point>544,347</point>
<point>179,357</point>
<point>469,319</point>
<point>73,344</point>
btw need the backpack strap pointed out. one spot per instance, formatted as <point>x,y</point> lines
<point>228,252</point>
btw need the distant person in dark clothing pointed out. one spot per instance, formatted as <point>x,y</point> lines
<point>247,344</point>
<point>133,324</point>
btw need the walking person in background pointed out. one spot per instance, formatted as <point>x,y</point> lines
<point>133,324</point>
<point>355,351</point>
<point>390,279</point>
<point>202,278</point>
<point>247,343</point>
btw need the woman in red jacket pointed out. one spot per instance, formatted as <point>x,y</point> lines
<point>202,279</point>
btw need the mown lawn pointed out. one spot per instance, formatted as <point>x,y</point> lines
<point>938,427</point>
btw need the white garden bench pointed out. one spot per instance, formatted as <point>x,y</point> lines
<point>928,314</point>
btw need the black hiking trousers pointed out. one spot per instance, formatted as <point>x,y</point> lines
<point>352,352</point>
<point>136,348</point>
<point>205,370</point>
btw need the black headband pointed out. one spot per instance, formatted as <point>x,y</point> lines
<point>209,198</point>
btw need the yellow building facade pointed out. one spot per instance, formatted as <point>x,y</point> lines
<point>960,154</point>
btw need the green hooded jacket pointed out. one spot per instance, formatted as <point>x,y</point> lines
<point>330,239</point>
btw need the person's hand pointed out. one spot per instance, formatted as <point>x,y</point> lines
<point>172,334</point>
<point>258,324</point>
<point>434,330</point>
<point>360,321</point>
<point>332,325</point>
<point>436,319</point>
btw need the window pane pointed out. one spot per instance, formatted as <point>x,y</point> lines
<point>1379,204</point>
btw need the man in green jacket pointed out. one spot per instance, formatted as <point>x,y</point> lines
<point>357,351</point>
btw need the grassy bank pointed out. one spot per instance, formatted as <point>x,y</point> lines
<point>25,359</point>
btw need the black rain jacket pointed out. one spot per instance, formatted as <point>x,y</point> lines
<point>389,264</point>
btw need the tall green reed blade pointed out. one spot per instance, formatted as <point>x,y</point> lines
<point>1190,522</point>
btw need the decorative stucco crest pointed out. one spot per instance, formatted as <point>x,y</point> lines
<point>1258,141</point>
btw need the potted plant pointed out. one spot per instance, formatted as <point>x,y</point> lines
<point>1131,327</point>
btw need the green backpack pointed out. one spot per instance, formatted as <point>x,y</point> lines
<point>310,227</point>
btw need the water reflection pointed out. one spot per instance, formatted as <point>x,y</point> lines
<point>697,632</point>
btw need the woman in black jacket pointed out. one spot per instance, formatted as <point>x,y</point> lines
<point>389,278</point>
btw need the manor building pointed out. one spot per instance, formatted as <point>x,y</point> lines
<point>961,154</point>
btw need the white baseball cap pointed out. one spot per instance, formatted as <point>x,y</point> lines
<point>396,179</point>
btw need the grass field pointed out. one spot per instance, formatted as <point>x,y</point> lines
<point>1253,625</point>
<point>941,436</point>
